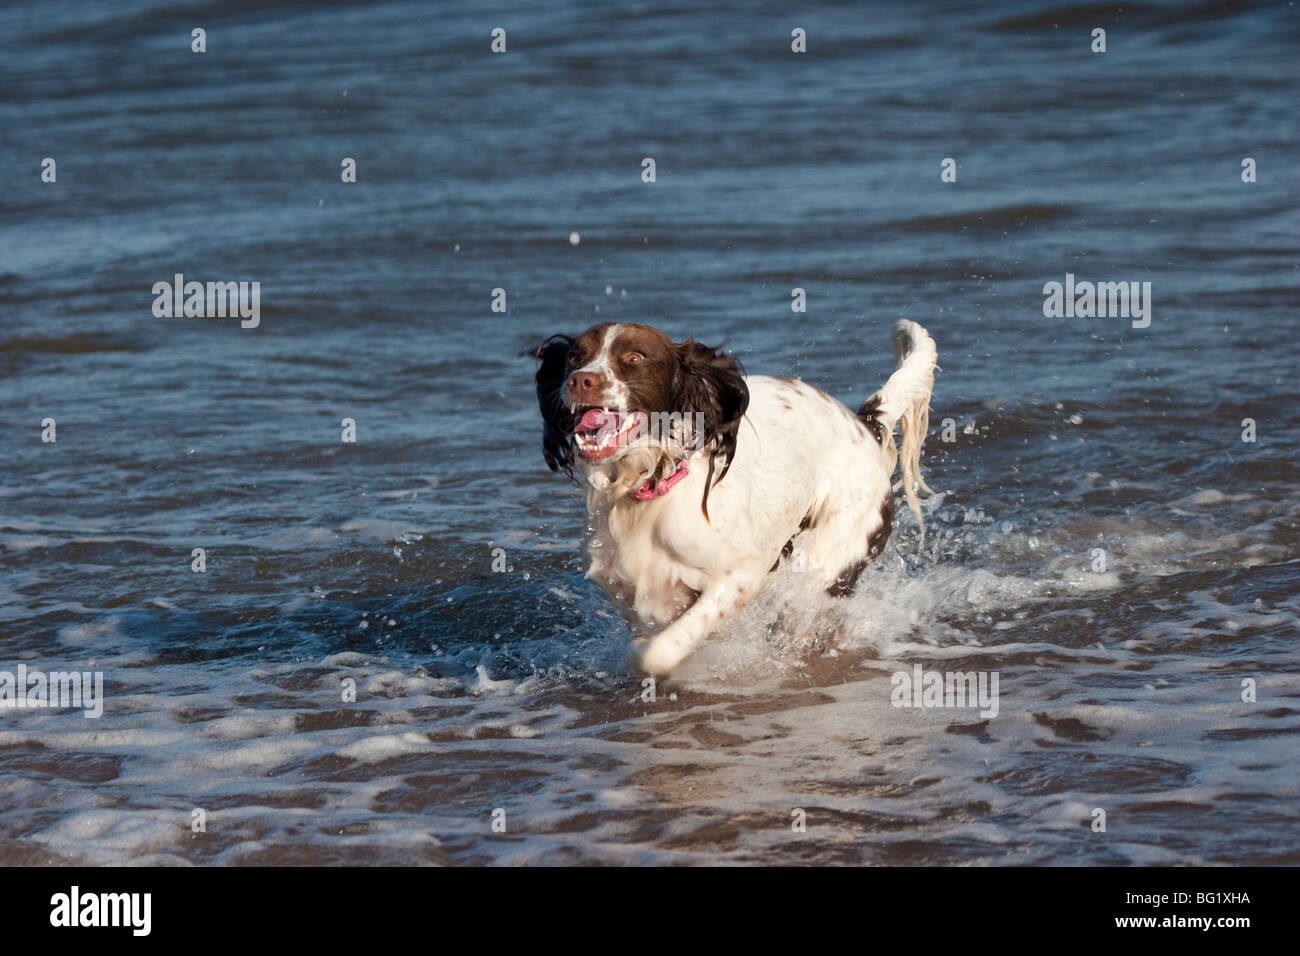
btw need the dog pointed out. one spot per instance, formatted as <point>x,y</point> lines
<point>701,481</point>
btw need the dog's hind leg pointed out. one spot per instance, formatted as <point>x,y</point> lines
<point>840,543</point>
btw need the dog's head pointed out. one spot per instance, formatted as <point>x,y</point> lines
<point>619,389</point>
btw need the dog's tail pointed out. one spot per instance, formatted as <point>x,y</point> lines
<point>905,401</point>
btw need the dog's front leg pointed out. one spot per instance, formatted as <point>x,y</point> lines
<point>721,598</point>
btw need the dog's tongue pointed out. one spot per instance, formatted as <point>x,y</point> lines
<point>595,419</point>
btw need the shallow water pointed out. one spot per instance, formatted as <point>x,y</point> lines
<point>1120,688</point>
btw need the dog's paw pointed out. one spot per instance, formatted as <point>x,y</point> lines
<point>657,656</point>
<point>636,655</point>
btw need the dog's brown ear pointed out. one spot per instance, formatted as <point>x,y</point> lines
<point>557,423</point>
<point>712,385</point>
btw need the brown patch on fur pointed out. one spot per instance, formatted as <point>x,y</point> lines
<point>788,549</point>
<point>869,414</point>
<point>848,578</point>
<point>879,537</point>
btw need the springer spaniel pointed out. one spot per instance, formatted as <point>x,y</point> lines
<point>702,480</point>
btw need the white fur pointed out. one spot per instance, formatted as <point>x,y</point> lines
<point>799,454</point>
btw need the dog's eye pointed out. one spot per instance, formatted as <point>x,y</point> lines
<point>633,358</point>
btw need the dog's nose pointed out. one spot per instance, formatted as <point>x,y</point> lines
<point>586,387</point>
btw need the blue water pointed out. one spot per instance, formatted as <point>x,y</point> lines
<point>374,561</point>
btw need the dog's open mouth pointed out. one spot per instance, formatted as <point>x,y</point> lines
<point>602,432</point>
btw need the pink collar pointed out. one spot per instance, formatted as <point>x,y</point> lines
<point>649,491</point>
